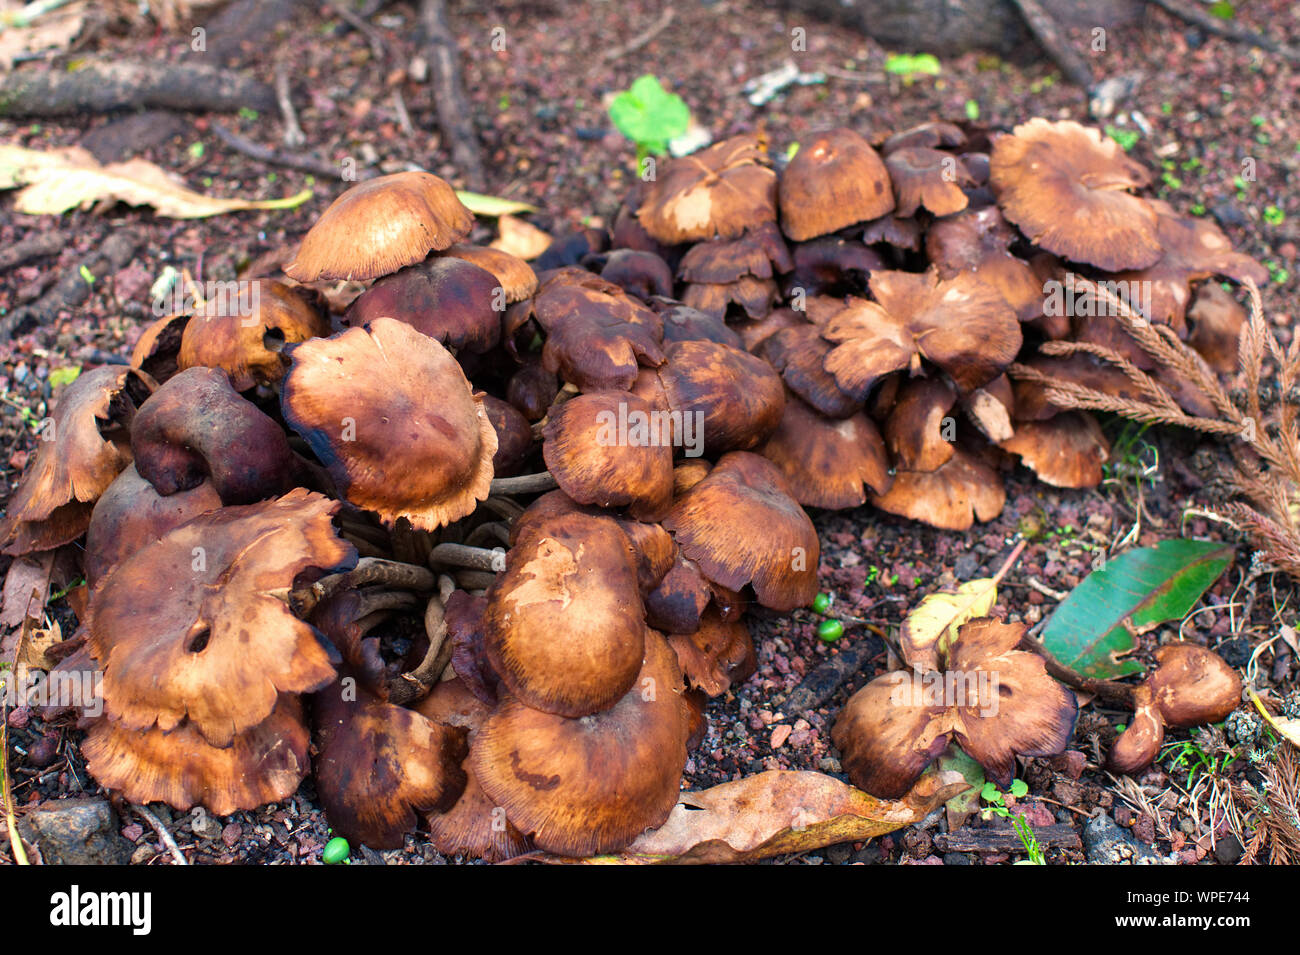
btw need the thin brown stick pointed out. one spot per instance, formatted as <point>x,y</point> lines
<point>642,38</point>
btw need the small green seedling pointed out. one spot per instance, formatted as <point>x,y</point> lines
<point>650,116</point>
<point>998,807</point>
<point>908,65</point>
<point>336,851</point>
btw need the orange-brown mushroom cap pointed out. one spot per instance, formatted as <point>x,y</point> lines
<point>265,763</point>
<point>715,523</point>
<point>564,626</point>
<point>799,354</point>
<point>243,334</point>
<point>953,497</point>
<point>760,252</point>
<point>1193,685</point>
<point>834,180</point>
<point>929,178</point>
<point>378,765</point>
<point>156,350</point>
<point>827,461</point>
<point>1066,187</point>
<point>392,417</point>
<point>919,431</point>
<point>82,450</point>
<point>196,625</point>
<point>515,276</point>
<point>1065,451</point>
<point>381,225</point>
<point>977,241</point>
<point>739,396</point>
<point>717,656</point>
<point>590,785</point>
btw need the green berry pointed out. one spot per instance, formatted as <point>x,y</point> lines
<point>830,630</point>
<point>821,603</point>
<point>336,850</point>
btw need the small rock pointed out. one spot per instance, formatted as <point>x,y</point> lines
<point>133,832</point>
<point>204,826</point>
<point>838,855</point>
<point>956,858</point>
<point>780,734</point>
<point>1227,850</point>
<point>75,832</point>
<point>1105,843</point>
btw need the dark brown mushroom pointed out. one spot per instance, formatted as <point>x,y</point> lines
<point>977,240</point>
<point>929,178</point>
<point>827,461</point>
<point>734,398</point>
<point>754,296</point>
<point>832,266</point>
<point>452,301</point>
<point>834,180</point>
<point>642,274</point>
<point>760,253</point>
<point>1217,320</point>
<point>515,276</point>
<point>158,346</point>
<point>717,656</point>
<point>920,431</point>
<point>799,354</point>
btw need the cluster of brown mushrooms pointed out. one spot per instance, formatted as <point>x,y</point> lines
<point>475,545</point>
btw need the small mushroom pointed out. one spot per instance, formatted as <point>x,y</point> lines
<point>977,241</point>
<point>929,178</point>
<point>156,350</point>
<point>515,276</point>
<point>642,274</point>
<point>389,413</point>
<point>717,656</point>
<point>760,253</point>
<point>452,301</point>
<point>834,180</point>
<point>799,354</point>
<point>754,296</point>
<point>585,786</point>
<point>952,497</point>
<point>514,436</point>
<point>920,430</point>
<point>1217,320</point>
<point>685,324</point>
<point>381,225</point>
<point>831,266</point>
<point>1066,187</point>
<point>714,525</point>
<point>1067,450</point>
<point>82,450</point>
<point>827,461</point>
<point>900,233</point>
<point>932,135</point>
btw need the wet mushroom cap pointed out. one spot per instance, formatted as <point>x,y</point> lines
<point>563,626</point>
<point>1193,686</point>
<point>642,274</point>
<point>834,180</point>
<point>1065,451</point>
<point>920,430</point>
<point>265,763</point>
<point>753,295</point>
<point>195,624</point>
<point>977,240</point>
<point>82,450</point>
<point>592,785</point>
<point>738,397</point>
<point>390,414</point>
<point>714,525</point>
<point>717,656</point>
<point>454,302</point>
<point>242,334</point>
<point>799,354</point>
<point>380,226</point>
<point>827,461</point>
<point>1066,187</point>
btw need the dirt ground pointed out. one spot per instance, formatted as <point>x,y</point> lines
<point>1200,106</point>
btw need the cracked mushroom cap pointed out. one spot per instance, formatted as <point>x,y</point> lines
<point>158,346</point>
<point>929,178</point>
<point>1065,451</point>
<point>714,525</point>
<point>920,430</point>
<point>378,765</point>
<point>739,395</point>
<point>997,701</point>
<point>960,324</point>
<point>826,461</point>
<point>834,180</point>
<point>380,226</point>
<point>952,497</point>
<point>564,626</point>
<point>760,252</point>
<point>390,414</point>
<point>197,428</point>
<point>613,449</point>
<point>195,625</point>
<point>515,276</point>
<point>799,354</point>
<point>82,450</point>
<point>265,763</point>
<point>454,302</point>
<point>592,785</point>
<point>977,240</point>
<point>131,514</point>
<point>244,334</point>
<point>754,296</point>
<point>717,656</point>
<point>1066,187</point>
<point>716,193</point>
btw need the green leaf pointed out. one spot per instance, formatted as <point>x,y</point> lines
<point>972,110</point>
<point>1019,788</point>
<point>955,759</point>
<point>1137,591</point>
<point>64,376</point>
<point>492,206</point>
<point>1223,10</point>
<point>649,115</point>
<point>909,64</point>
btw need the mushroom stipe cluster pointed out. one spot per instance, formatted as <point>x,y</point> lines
<point>474,544</point>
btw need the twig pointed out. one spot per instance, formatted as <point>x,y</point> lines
<point>293,135</point>
<point>1049,37</point>
<point>15,840</point>
<point>403,117</point>
<point>454,114</point>
<point>525,484</point>
<point>32,247</point>
<point>368,571</point>
<point>642,38</point>
<point>163,834</point>
<point>377,47</point>
<point>475,558</point>
<point>276,158</point>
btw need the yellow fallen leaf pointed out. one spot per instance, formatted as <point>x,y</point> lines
<point>492,206</point>
<point>776,813</point>
<point>1285,727</point>
<point>54,182</point>
<point>520,238</point>
<point>933,624</point>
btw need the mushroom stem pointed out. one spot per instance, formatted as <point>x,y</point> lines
<point>475,580</point>
<point>448,554</point>
<point>492,530</point>
<point>1111,692</point>
<point>525,484</point>
<point>369,571</point>
<point>504,508</point>
<point>378,601</point>
<point>418,682</point>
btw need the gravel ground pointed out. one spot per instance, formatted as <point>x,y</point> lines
<point>1201,105</point>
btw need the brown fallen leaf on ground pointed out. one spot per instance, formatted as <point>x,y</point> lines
<point>776,813</point>
<point>54,182</point>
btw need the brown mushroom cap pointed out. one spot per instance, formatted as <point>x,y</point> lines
<point>717,656</point>
<point>953,497</point>
<point>741,396</point>
<point>677,603</point>
<point>932,135</point>
<point>197,428</point>
<point>564,626</point>
<point>531,390</point>
<point>685,324</point>
<point>827,461</point>
<point>885,743</point>
<point>195,625</point>
<point>1032,402</point>
<point>834,180</point>
<point>929,178</point>
<point>379,764</point>
<point>1139,744</point>
<point>515,276</point>
<point>590,785</point>
<point>243,335</point>
<point>830,266</point>
<point>1193,686</point>
<point>977,240</point>
<point>381,225</point>
<point>1065,451</point>
<point>642,274</point>
<point>131,514</point>
<point>265,763</point>
<point>82,450</point>
<point>514,436</point>
<point>799,354</point>
<point>891,230</point>
<point>915,430</point>
<point>452,301</point>
<point>158,346</point>
<point>389,412</point>
<point>760,252</point>
<point>1217,320</point>
<point>613,449</point>
<point>754,296</point>
<point>1065,186</point>
<point>714,525</point>
<point>717,192</point>
<point>960,324</point>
